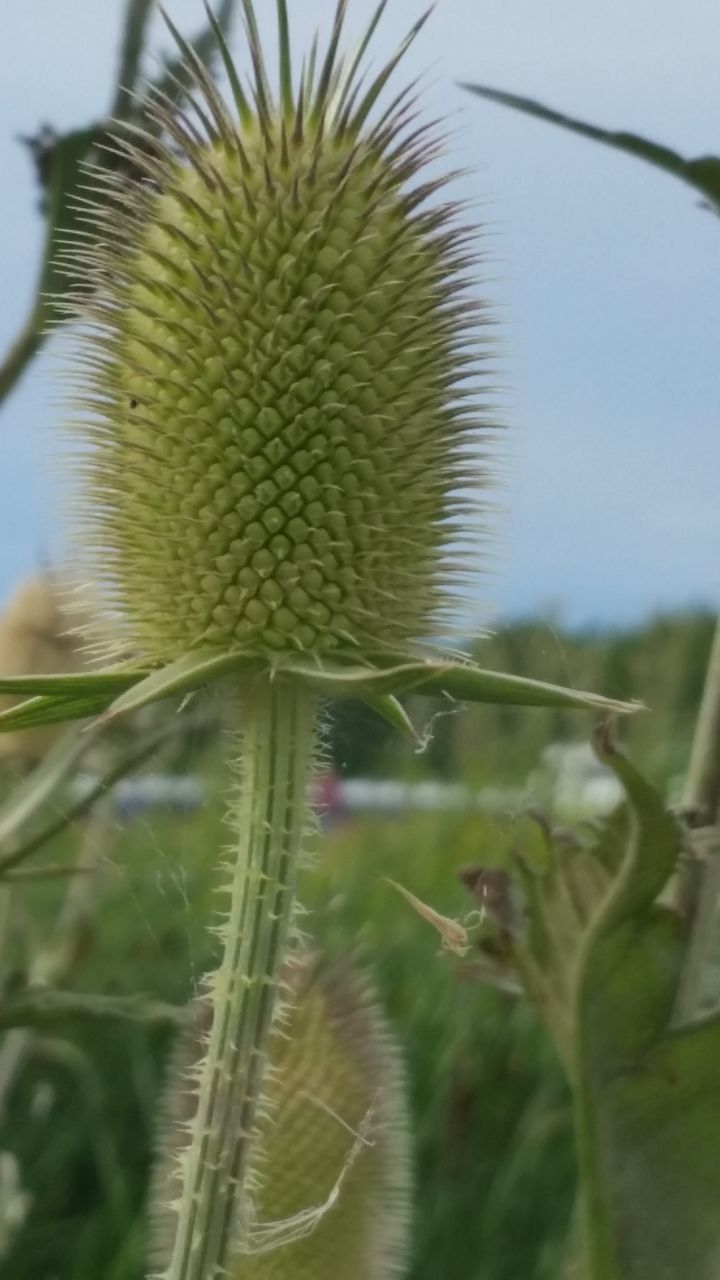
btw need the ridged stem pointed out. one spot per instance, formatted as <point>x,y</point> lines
<point>594,1237</point>
<point>21,351</point>
<point>701,793</point>
<point>271,813</point>
<point>701,802</point>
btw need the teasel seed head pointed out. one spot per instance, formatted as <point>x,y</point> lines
<point>277,357</point>
<point>335,1118</point>
<point>39,635</point>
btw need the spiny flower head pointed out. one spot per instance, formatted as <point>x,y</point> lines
<point>275,358</point>
<point>332,1149</point>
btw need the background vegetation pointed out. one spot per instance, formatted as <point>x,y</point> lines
<point>491,1121</point>
<point>80,1095</point>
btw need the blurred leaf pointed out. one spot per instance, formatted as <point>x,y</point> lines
<point>394,712</point>
<point>612,833</point>
<point>651,847</point>
<point>65,178</point>
<point>147,746</point>
<point>43,1008</point>
<point>46,872</point>
<point>61,160</point>
<point>587,901</point>
<point>34,791</point>
<point>137,15</point>
<point>659,1129</point>
<point>702,173</point>
<point>602,959</point>
<point>19,354</point>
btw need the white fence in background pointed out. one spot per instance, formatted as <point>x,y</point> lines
<point>569,780</point>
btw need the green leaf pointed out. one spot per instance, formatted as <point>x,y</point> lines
<point>50,871</point>
<point>630,961</point>
<point>598,944</point>
<point>137,16</point>
<point>460,680</point>
<point>35,713</point>
<point>60,698</point>
<point>702,173</point>
<point>34,791</point>
<point>66,183</point>
<point>76,697</point>
<point>286,86</point>
<point>90,684</point>
<point>661,1127</point>
<point>43,1008</point>
<point>64,178</point>
<point>147,746</point>
<point>602,959</point>
<point>187,674</point>
<point>62,181</point>
<point>72,697</point>
<point>472,684</point>
<point>394,712</point>
<point>651,848</point>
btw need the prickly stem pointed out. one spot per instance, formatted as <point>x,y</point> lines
<point>271,816</point>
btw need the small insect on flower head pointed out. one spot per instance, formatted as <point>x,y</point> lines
<point>276,347</point>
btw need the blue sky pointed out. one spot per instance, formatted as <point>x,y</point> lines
<point>604,273</point>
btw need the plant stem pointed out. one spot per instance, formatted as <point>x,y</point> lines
<point>57,959</point>
<point>701,802</point>
<point>595,1259</point>
<point>23,348</point>
<point>701,794</point>
<point>137,16</point>
<point>277,752</point>
<point>43,1008</point>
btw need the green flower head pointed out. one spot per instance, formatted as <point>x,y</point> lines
<point>332,1163</point>
<point>277,353</point>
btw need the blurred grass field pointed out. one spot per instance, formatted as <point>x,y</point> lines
<point>491,1126</point>
<point>493,1156</point>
